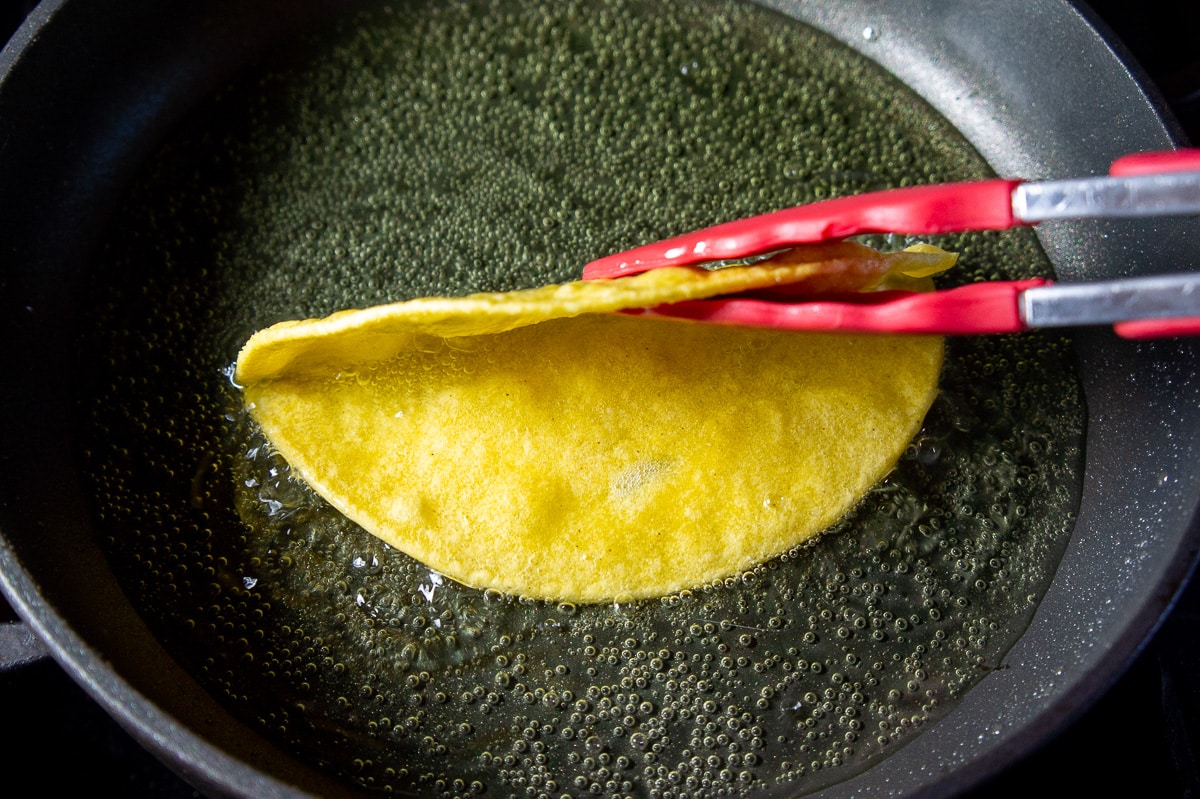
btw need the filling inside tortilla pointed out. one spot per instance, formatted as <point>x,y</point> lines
<point>536,443</point>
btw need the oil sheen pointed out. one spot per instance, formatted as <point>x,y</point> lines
<point>450,147</point>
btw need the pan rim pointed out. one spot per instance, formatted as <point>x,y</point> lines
<point>123,700</point>
<point>920,768</point>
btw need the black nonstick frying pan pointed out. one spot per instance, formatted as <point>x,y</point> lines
<point>89,89</point>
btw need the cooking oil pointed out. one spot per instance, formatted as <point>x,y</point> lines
<point>449,147</point>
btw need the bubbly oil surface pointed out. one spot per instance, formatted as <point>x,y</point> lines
<point>449,147</point>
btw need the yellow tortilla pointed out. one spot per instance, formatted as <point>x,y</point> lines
<point>532,443</point>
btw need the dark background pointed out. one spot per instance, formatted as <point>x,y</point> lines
<point>1143,735</point>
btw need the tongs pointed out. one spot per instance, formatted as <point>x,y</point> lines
<point>1140,185</point>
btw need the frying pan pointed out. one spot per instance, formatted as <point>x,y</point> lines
<point>88,89</point>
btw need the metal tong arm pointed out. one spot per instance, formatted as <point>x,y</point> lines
<point>1138,307</point>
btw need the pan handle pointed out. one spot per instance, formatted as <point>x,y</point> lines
<point>19,646</point>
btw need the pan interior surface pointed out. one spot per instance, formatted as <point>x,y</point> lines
<point>447,148</point>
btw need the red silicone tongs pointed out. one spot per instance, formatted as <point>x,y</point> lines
<point>1145,184</point>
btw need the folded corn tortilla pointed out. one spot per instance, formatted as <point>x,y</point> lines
<point>537,443</point>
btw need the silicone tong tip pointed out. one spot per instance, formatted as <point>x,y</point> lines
<point>976,308</point>
<point>918,210</point>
